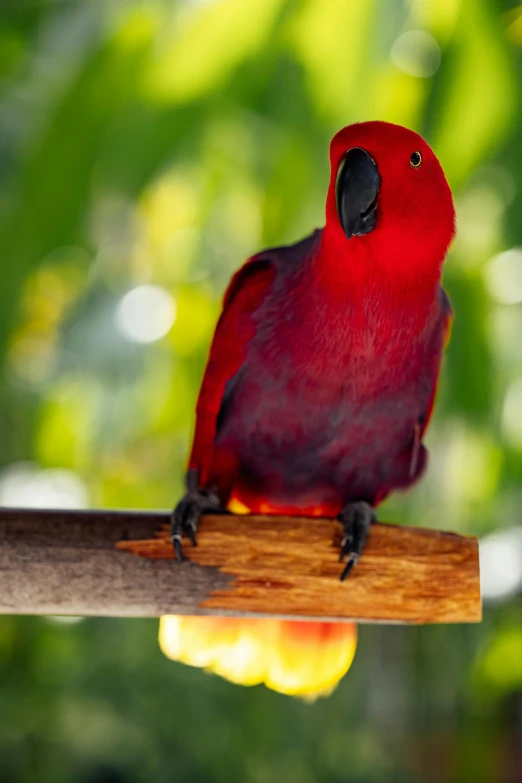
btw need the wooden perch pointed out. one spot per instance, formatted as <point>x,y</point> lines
<point>77,562</point>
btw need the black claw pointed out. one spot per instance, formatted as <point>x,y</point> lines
<point>348,567</point>
<point>357,518</point>
<point>187,514</point>
<point>176,542</point>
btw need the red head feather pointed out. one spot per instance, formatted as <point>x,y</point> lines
<point>415,212</point>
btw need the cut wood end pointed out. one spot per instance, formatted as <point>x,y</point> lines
<point>290,566</point>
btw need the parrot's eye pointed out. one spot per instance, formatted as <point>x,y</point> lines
<point>415,160</point>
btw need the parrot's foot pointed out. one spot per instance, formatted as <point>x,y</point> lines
<point>357,519</point>
<point>187,514</point>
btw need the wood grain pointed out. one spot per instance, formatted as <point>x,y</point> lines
<point>288,566</point>
<point>78,562</point>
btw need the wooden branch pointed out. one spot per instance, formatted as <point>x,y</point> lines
<point>72,562</point>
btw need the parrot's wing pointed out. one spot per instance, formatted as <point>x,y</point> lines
<point>234,331</point>
<point>447,321</point>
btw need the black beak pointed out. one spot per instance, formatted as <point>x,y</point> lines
<point>356,192</point>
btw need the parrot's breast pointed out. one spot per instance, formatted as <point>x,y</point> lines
<point>324,408</point>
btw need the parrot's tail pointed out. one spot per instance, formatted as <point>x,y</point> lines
<point>304,659</point>
<point>297,658</point>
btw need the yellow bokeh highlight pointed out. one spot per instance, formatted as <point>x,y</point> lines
<point>437,16</point>
<point>47,295</point>
<point>501,664</point>
<point>169,217</point>
<point>169,204</point>
<point>66,425</point>
<point>399,97</point>
<point>334,61</point>
<point>472,467</point>
<point>137,26</point>
<point>202,46</point>
<point>196,318</point>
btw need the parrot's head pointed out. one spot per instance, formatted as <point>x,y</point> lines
<point>388,194</point>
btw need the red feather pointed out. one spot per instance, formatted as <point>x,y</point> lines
<point>234,331</point>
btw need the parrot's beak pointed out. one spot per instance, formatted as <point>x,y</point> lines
<point>356,191</point>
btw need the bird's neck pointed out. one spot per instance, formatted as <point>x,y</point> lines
<point>366,270</point>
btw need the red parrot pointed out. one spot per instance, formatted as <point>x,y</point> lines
<point>325,360</point>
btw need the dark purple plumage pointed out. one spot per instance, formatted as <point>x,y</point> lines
<point>319,412</point>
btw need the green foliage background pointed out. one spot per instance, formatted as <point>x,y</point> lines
<point>163,142</point>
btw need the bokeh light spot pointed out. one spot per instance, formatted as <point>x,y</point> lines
<point>25,485</point>
<point>146,314</point>
<point>512,413</point>
<point>501,564</point>
<point>503,276</point>
<point>416,53</point>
